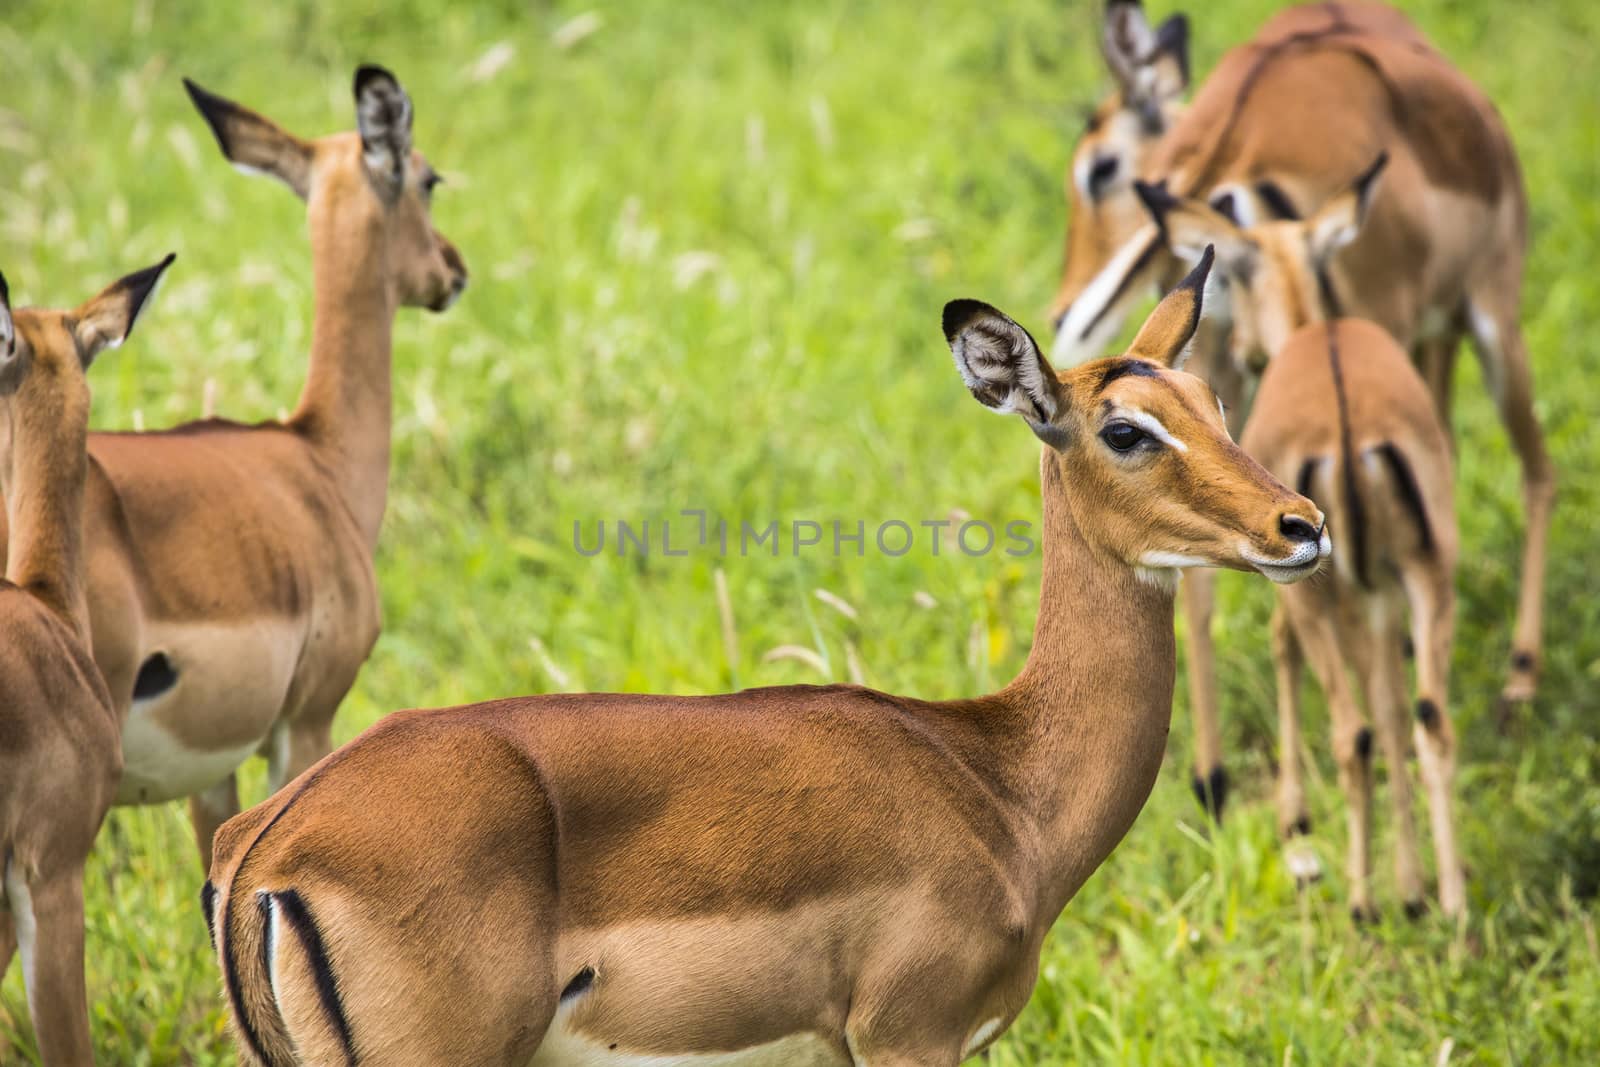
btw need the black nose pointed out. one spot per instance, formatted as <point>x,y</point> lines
<point>1297,529</point>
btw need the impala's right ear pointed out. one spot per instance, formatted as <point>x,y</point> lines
<point>383,114</point>
<point>104,321</point>
<point>1003,367</point>
<point>1151,65</point>
<point>254,144</point>
<point>1164,338</point>
<point>8,330</point>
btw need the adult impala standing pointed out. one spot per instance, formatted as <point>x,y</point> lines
<point>231,593</point>
<point>800,875</point>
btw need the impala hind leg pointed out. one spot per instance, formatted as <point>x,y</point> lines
<point>1319,637</point>
<point>1436,360</point>
<point>1497,334</point>
<point>296,746</point>
<point>1198,592</point>
<point>1431,593</point>
<point>1294,822</point>
<point>1386,688</point>
<point>209,810</point>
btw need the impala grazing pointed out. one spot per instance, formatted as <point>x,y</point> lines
<point>1285,123</point>
<point>231,594</point>
<point>60,755</point>
<point>799,875</point>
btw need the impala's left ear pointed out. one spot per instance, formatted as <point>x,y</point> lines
<point>1151,65</point>
<point>105,321</point>
<point>1339,221</point>
<point>1164,338</point>
<point>383,114</point>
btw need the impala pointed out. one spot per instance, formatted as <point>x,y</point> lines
<point>798,875</point>
<point>1377,460</point>
<point>1283,125</point>
<point>1343,414</point>
<point>59,749</point>
<point>241,627</point>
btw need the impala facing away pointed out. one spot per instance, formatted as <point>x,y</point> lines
<point>230,585</point>
<point>59,748</point>
<point>1378,461</point>
<point>1284,124</point>
<point>799,875</point>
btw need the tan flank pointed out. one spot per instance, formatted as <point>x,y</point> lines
<point>230,585</point>
<point>800,875</point>
<point>59,750</point>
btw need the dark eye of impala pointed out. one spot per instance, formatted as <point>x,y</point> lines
<point>1104,169</point>
<point>1122,436</point>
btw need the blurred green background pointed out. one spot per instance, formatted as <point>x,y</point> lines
<point>709,245</point>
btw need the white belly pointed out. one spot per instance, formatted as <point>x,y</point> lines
<point>158,766</point>
<point>564,1048</point>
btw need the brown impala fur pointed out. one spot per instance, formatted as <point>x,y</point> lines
<point>230,583</point>
<point>1284,123</point>
<point>799,875</point>
<point>59,749</point>
<point>1342,414</point>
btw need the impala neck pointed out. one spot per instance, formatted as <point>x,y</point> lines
<point>44,464</point>
<point>1097,691</point>
<point>345,407</point>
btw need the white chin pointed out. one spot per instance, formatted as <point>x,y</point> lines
<point>1289,575</point>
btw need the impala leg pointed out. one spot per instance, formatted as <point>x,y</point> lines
<point>1432,597</point>
<point>301,744</point>
<point>208,810</point>
<point>1436,359</point>
<point>1352,738</point>
<point>1386,687</point>
<point>1504,355</point>
<point>1293,820</point>
<point>50,929</point>
<point>1198,592</point>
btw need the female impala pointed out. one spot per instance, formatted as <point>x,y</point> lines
<point>59,750</point>
<point>1283,124</point>
<point>241,627</point>
<point>800,875</point>
<point>1343,414</point>
<point>1378,460</point>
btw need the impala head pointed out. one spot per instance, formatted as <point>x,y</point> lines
<point>1150,473</point>
<point>1151,71</point>
<point>44,354</point>
<point>371,176</point>
<point>1273,272</point>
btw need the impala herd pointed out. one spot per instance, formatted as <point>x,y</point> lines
<point>796,875</point>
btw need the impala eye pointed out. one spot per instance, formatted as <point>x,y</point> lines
<point>1103,170</point>
<point>430,183</point>
<point>1122,436</point>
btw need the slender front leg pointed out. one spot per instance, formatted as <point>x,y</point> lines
<point>208,811</point>
<point>1432,596</point>
<point>1198,593</point>
<point>52,971</point>
<point>1294,823</point>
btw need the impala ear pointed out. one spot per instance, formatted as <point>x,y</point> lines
<point>1188,227</point>
<point>1150,66</point>
<point>1164,337</point>
<point>254,144</point>
<point>1003,367</point>
<point>106,320</point>
<point>383,114</point>
<point>1339,221</point>
<point>8,330</point>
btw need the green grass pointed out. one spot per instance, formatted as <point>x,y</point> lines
<point>849,167</point>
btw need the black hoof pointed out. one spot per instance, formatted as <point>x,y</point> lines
<point>1416,909</point>
<point>1301,827</point>
<point>1363,916</point>
<point>1212,792</point>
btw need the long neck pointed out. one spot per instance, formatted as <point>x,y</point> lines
<point>42,472</point>
<point>1097,693</point>
<point>345,407</point>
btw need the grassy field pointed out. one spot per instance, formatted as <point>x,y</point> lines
<point>709,246</point>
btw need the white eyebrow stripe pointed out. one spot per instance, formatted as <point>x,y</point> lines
<point>1152,426</point>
